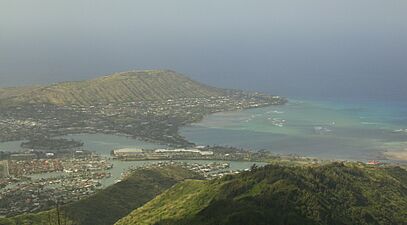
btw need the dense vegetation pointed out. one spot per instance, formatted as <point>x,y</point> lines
<point>121,87</point>
<point>333,194</point>
<point>112,203</point>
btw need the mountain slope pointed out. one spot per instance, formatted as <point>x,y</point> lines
<point>112,203</point>
<point>119,87</point>
<point>325,195</point>
<point>151,105</point>
<point>16,91</point>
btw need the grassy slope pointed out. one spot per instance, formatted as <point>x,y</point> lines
<point>15,91</point>
<point>41,218</point>
<point>331,194</point>
<point>113,203</point>
<point>119,87</point>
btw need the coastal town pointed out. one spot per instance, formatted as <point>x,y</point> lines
<point>156,121</point>
<point>36,184</point>
<point>33,185</point>
<point>39,184</point>
<point>203,112</point>
<point>37,180</point>
<point>53,170</point>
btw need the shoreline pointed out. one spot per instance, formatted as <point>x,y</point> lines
<point>395,155</point>
<point>375,151</point>
<point>400,155</point>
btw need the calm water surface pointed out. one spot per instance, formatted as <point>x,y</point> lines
<point>103,144</point>
<point>325,129</point>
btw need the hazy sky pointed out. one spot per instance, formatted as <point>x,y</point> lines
<point>339,48</point>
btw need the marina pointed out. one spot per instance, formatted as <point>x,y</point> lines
<point>311,129</point>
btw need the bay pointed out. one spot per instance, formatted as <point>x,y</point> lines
<point>347,130</point>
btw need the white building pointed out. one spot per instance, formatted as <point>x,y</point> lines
<point>127,151</point>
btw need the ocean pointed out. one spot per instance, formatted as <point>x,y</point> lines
<point>327,129</point>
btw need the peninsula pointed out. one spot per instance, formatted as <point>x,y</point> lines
<point>149,105</point>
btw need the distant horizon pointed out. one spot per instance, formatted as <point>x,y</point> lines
<point>338,49</point>
<point>288,96</point>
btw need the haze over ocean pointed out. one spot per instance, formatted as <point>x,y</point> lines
<point>341,48</point>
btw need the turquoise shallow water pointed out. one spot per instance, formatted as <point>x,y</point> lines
<point>358,130</point>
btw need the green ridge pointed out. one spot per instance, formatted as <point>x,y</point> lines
<point>334,194</point>
<point>112,203</point>
<point>120,87</point>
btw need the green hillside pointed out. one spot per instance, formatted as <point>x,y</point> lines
<point>334,194</point>
<point>119,87</point>
<point>112,203</point>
